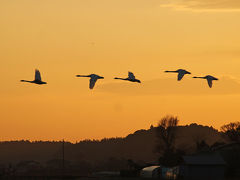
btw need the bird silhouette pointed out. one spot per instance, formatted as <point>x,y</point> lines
<point>93,79</point>
<point>181,73</point>
<point>209,79</point>
<point>37,80</point>
<point>131,78</point>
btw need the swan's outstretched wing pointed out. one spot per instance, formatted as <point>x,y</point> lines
<point>131,75</point>
<point>209,82</point>
<point>37,75</point>
<point>180,75</point>
<point>92,82</point>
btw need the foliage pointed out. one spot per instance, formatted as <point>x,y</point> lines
<point>232,131</point>
<point>166,135</point>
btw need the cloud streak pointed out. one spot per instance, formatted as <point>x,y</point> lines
<point>203,5</point>
<point>188,86</point>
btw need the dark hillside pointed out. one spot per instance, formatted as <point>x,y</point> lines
<point>138,146</point>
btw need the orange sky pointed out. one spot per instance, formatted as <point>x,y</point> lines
<point>110,37</point>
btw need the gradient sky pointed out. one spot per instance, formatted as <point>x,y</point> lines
<point>63,38</point>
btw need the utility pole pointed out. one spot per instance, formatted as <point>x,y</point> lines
<point>63,159</point>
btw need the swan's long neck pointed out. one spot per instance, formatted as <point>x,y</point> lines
<point>82,76</point>
<point>26,81</point>
<point>200,77</point>
<point>171,71</point>
<point>120,78</point>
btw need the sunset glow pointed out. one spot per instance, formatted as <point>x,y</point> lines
<point>63,38</point>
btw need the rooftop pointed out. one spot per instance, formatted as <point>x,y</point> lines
<point>204,160</point>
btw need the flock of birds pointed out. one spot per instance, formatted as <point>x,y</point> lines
<point>131,78</point>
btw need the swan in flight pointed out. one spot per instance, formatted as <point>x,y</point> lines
<point>209,79</point>
<point>131,78</point>
<point>37,79</point>
<point>181,73</point>
<point>93,79</point>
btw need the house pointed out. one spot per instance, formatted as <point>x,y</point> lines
<point>170,172</point>
<point>231,155</point>
<point>151,172</point>
<point>207,167</point>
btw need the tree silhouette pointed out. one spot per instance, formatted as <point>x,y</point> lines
<point>200,141</point>
<point>232,131</point>
<point>202,146</point>
<point>166,135</point>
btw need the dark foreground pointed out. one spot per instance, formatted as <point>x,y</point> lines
<point>82,178</point>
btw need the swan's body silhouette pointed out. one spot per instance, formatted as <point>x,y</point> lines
<point>37,80</point>
<point>209,79</point>
<point>131,78</point>
<point>93,79</point>
<point>181,73</point>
